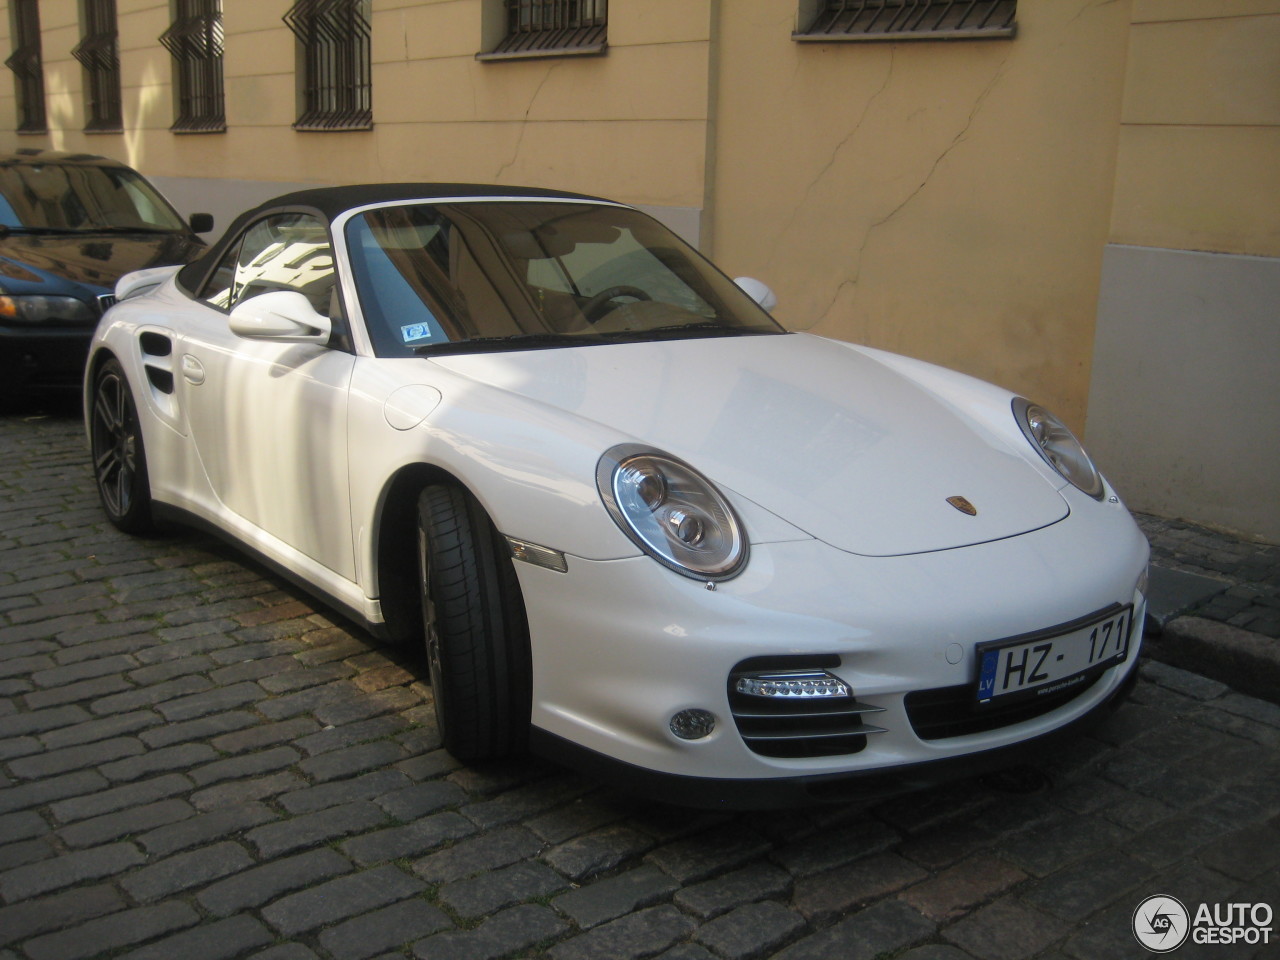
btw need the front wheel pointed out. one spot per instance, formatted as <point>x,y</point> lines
<point>119,461</point>
<point>476,634</point>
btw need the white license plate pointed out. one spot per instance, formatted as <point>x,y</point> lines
<point>1046,664</point>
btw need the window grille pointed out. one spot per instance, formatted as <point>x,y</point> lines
<point>334,53</point>
<point>194,39</point>
<point>27,66</point>
<point>537,27</point>
<point>97,53</point>
<point>912,20</point>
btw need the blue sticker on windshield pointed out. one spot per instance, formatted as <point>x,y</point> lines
<point>414,332</point>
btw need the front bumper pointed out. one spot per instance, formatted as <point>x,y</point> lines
<point>619,647</point>
<point>856,786</point>
<point>46,357</point>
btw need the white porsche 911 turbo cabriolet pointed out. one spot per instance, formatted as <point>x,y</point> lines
<point>639,526</point>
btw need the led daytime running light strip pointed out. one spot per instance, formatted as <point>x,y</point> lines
<point>809,686</point>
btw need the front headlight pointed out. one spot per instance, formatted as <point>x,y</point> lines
<point>17,308</point>
<point>671,512</point>
<point>1058,445</point>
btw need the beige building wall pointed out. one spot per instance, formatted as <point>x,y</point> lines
<point>1184,406</point>
<point>631,124</point>
<point>948,200</point>
<point>1199,153</point>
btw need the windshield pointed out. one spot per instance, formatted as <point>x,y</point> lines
<point>54,197</point>
<point>501,275</point>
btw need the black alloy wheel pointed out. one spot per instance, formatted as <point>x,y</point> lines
<point>119,462</point>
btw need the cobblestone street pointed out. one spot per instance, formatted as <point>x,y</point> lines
<point>197,762</point>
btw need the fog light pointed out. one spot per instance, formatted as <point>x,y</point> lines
<point>693,724</point>
<point>794,686</point>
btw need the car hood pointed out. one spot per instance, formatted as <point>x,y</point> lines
<point>826,437</point>
<point>49,264</point>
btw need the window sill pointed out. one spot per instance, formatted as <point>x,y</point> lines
<point>586,50</point>
<point>994,33</point>
<point>333,128</point>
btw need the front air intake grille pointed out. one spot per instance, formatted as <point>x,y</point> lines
<point>106,301</point>
<point>791,707</point>
<point>955,712</point>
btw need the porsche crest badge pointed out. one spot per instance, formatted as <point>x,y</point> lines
<point>963,505</point>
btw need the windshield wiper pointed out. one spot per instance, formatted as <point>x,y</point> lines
<point>540,341</point>
<point>6,229</point>
<point>674,331</point>
<point>148,230</point>
<point>519,341</point>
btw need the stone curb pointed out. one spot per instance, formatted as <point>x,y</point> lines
<point>1249,662</point>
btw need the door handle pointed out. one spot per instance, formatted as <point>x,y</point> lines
<point>192,369</point>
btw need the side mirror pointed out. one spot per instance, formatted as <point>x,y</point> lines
<point>282,316</point>
<point>200,222</point>
<point>759,292</point>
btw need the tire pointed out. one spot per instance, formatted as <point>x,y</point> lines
<point>119,460</point>
<point>476,633</point>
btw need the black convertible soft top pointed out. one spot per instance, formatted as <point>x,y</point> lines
<point>330,202</point>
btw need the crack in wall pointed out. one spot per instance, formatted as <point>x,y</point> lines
<point>831,162</point>
<point>958,139</point>
<point>820,315</point>
<point>524,123</point>
<point>1088,7</point>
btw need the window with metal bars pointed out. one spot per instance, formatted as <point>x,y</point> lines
<point>27,66</point>
<point>910,20</point>
<point>552,27</point>
<point>98,53</point>
<point>194,39</point>
<point>334,70</point>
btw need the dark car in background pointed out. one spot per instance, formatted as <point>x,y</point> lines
<point>71,224</point>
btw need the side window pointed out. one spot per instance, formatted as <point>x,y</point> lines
<point>288,251</point>
<point>217,292</point>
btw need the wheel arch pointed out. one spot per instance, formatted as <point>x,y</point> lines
<point>97,360</point>
<point>99,357</point>
<point>394,548</point>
